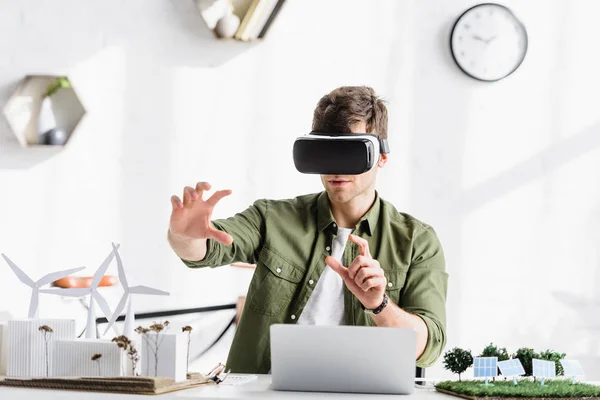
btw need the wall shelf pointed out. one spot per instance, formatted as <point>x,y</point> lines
<point>39,123</point>
<point>255,17</point>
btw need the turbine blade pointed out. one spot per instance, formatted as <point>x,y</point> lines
<point>53,276</point>
<point>117,312</point>
<point>102,270</point>
<point>33,304</point>
<point>78,292</point>
<point>102,304</point>
<point>20,274</point>
<point>140,289</point>
<point>122,276</point>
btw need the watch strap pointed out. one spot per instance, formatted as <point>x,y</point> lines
<point>378,309</point>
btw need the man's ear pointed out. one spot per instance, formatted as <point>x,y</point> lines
<point>382,160</point>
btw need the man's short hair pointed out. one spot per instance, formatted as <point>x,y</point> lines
<point>345,106</point>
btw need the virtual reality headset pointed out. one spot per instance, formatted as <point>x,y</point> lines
<point>338,153</point>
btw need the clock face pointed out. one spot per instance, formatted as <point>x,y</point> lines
<point>488,42</point>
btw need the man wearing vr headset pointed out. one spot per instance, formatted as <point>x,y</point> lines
<point>343,256</point>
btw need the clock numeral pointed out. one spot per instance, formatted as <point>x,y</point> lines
<point>467,26</point>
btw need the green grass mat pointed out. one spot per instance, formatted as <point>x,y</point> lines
<point>525,388</point>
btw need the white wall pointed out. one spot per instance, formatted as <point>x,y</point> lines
<point>508,173</point>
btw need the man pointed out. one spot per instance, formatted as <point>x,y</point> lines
<point>325,258</point>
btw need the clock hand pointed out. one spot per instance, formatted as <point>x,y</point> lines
<point>476,37</point>
<point>490,39</point>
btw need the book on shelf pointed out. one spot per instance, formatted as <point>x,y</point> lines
<point>258,18</point>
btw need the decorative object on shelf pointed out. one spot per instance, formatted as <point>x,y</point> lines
<point>94,296</point>
<point>128,328</point>
<point>44,111</point>
<point>228,24</point>
<point>488,42</point>
<point>48,131</point>
<point>88,357</point>
<point>164,353</point>
<point>244,20</point>
<point>30,345</point>
<point>35,286</point>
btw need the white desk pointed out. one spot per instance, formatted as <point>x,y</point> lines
<point>257,389</point>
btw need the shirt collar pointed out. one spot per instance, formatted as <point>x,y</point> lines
<point>325,217</point>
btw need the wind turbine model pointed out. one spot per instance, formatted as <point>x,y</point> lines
<point>130,316</point>
<point>95,297</point>
<point>35,286</point>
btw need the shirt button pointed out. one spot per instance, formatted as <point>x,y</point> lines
<point>390,284</point>
<point>311,282</point>
<point>334,225</point>
<point>327,248</point>
<point>293,316</point>
<point>278,270</point>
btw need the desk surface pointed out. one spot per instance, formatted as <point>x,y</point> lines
<point>256,389</point>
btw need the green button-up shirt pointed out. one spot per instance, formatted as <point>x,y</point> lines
<point>288,241</point>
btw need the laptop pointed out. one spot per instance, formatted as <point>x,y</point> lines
<point>347,359</point>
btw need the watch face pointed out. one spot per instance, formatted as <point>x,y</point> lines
<point>488,42</point>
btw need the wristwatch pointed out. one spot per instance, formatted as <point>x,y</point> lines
<point>378,309</point>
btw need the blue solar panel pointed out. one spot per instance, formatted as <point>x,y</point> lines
<point>544,369</point>
<point>511,367</point>
<point>572,367</point>
<point>485,367</point>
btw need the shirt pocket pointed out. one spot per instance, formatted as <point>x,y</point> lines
<point>395,283</point>
<point>274,284</point>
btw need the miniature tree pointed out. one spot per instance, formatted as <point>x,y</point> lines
<point>492,350</point>
<point>526,355</point>
<point>554,356</point>
<point>96,358</point>
<point>124,343</point>
<point>188,329</point>
<point>46,330</point>
<point>153,344</point>
<point>458,360</point>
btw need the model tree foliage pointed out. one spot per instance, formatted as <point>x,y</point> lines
<point>458,360</point>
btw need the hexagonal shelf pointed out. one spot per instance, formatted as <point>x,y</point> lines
<point>244,20</point>
<point>44,111</point>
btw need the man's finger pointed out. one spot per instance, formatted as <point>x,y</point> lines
<point>218,195</point>
<point>363,245</point>
<point>176,202</point>
<point>366,273</point>
<point>220,236</point>
<point>337,267</point>
<point>373,283</point>
<point>189,195</point>
<point>201,187</point>
<point>357,264</point>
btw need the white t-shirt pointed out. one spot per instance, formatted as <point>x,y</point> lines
<point>325,306</point>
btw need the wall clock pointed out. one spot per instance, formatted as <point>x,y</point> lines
<point>488,42</point>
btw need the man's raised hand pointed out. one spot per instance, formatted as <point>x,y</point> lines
<point>191,218</point>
